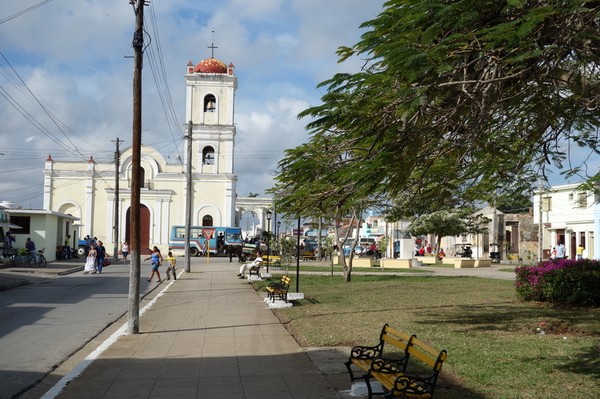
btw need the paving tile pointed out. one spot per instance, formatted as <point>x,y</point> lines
<point>209,336</point>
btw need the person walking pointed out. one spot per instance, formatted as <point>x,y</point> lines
<point>88,244</point>
<point>579,252</point>
<point>100,255</point>
<point>8,240</point>
<point>156,259</point>
<point>67,249</point>
<point>171,262</point>
<point>125,250</point>
<point>561,251</point>
<point>30,246</point>
<point>90,261</point>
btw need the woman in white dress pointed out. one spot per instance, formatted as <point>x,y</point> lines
<point>90,261</point>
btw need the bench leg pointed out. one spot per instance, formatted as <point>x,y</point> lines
<point>369,390</point>
<point>367,378</point>
<point>348,366</point>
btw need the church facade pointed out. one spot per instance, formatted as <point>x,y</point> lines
<point>87,189</point>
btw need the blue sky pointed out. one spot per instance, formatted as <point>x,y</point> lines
<point>71,55</point>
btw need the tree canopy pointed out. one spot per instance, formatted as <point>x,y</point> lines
<point>440,223</point>
<point>458,101</point>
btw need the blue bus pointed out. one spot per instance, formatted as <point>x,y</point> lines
<point>222,239</point>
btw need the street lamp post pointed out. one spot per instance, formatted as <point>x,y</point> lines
<point>277,236</point>
<point>268,238</point>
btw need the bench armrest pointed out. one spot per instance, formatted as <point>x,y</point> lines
<point>409,384</point>
<point>366,352</point>
<point>391,366</point>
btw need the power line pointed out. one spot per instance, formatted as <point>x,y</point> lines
<point>19,82</point>
<point>25,11</point>
<point>31,119</point>
<point>159,74</point>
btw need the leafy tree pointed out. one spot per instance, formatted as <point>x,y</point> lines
<point>518,203</point>
<point>441,223</point>
<point>313,182</point>
<point>469,98</point>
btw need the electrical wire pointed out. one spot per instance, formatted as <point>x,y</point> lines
<point>157,66</point>
<point>20,83</point>
<point>25,11</point>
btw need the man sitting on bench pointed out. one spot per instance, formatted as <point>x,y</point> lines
<point>246,266</point>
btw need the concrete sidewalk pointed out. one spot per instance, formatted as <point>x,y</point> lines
<point>207,335</point>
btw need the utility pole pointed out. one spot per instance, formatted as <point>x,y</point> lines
<point>188,200</point>
<point>116,221</point>
<point>133,324</point>
<point>540,223</point>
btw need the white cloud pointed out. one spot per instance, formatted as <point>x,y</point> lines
<point>72,56</point>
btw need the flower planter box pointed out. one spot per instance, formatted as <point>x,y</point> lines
<point>364,262</point>
<point>483,263</point>
<point>427,260</point>
<point>396,263</point>
<point>463,263</point>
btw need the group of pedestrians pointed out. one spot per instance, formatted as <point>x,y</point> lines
<point>8,250</point>
<point>96,255</point>
<point>157,260</point>
<point>559,251</point>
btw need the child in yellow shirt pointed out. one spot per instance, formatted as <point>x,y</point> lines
<point>171,265</point>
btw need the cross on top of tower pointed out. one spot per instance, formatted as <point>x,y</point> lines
<point>212,46</point>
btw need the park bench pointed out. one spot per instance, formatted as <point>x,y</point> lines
<point>362,356</point>
<point>412,377</point>
<point>279,290</point>
<point>255,269</point>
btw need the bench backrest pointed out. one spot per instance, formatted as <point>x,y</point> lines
<point>428,355</point>
<point>396,338</point>
<point>286,280</point>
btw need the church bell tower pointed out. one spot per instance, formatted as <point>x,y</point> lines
<point>210,100</point>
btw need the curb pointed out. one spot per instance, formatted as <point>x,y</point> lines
<point>14,284</point>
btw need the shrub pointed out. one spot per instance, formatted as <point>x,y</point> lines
<point>564,281</point>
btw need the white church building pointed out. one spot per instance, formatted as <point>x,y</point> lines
<point>86,189</point>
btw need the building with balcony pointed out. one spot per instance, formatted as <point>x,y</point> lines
<point>569,215</point>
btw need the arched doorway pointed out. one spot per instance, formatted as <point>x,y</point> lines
<point>144,229</point>
<point>207,220</point>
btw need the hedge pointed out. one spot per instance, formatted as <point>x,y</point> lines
<point>563,281</point>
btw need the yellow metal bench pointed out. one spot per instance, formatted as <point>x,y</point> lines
<point>279,290</point>
<point>407,379</point>
<point>363,356</point>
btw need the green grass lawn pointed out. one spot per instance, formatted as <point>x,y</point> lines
<point>321,268</point>
<point>494,348</point>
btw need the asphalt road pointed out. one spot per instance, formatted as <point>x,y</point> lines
<point>42,324</point>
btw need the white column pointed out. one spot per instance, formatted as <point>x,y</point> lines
<point>48,183</point>
<point>89,207</point>
<point>158,223</point>
<point>596,231</point>
<point>109,234</point>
